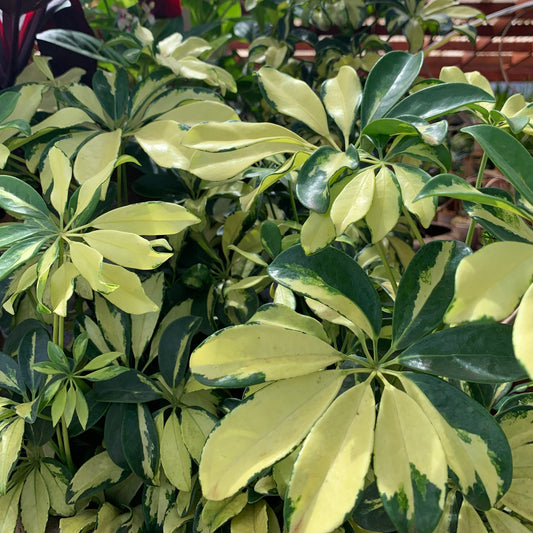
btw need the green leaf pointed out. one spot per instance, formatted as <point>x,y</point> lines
<point>501,522</point>
<point>317,233</point>
<point>440,99</point>
<point>409,463</point>
<point>387,82</point>
<point>175,458</point>
<point>32,350</point>
<point>156,503</point>
<point>95,475</point>
<point>425,290</point>
<point>9,509</point>
<point>342,96</point>
<point>276,418</point>
<point>252,519</point>
<point>293,98</point>
<point>471,352</point>
<point>522,332</point>
<point>8,101</point>
<point>490,282</point>
<point>330,471</point>
<point>174,346</point>
<point>19,198</point>
<point>319,172</point>
<point>469,520</point>
<point>477,451</point>
<point>254,353</point>
<point>34,503</point>
<point>216,513</point>
<point>56,478</point>
<point>129,387</point>
<point>498,144</point>
<point>13,232</point>
<point>10,445</point>
<point>270,238</point>
<point>140,443</point>
<point>112,92</point>
<point>196,425</point>
<point>11,377</point>
<point>333,279</point>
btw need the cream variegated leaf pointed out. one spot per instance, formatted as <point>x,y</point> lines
<point>10,445</point>
<point>80,522</point>
<point>252,519</point>
<point>62,174</point>
<point>196,425</point>
<point>175,457</point>
<point>317,232</point>
<point>469,520</point>
<point>34,503</point>
<point>216,513</point>
<point>9,509</point>
<point>195,112</point>
<point>62,287</point>
<point>523,332</point>
<point>501,522</point>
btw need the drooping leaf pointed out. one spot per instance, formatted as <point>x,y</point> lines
<point>330,471</point>
<point>19,198</point>
<point>469,520</point>
<point>10,445</point>
<point>276,418</point>
<point>426,290</point>
<point>334,279</point>
<point>56,478</point>
<point>129,387</point>
<point>255,353</point>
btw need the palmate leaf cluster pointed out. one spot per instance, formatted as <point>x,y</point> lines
<point>263,341</point>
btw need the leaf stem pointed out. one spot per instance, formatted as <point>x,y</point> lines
<point>388,269</point>
<point>293,203</point>
<point>479,181</point>
<point>413,226</point>
<point>66,445</point>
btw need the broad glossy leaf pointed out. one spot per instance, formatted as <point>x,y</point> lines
<point>97,474</point>
<point>387,82</point>
<point>174,348</point>
<point>317,233</point>
<point>342,96</point>
<point>12,232</point>
<point>409,463</point>
<point>252,519</point>
<point>126,249</point>
<point>490,282</point>
<point>498,144</point>
<point>175,458</point>
<point>387,127</point>
<point>501,522</point>
<point>354,200</point>
<point>319,172</point>
<point>271,238</point>
<point>384,211</point>
<point>149,88</point>
<point>277,418</point>
<point>333,279</point>
<point>32,350</point>
<point>34,503</point>
<point>476,449</point>
<point>471,352</point>
<point>330,471</point>
<point>129,387</point>
<point>194,112</point>
<point>426,290</point>
<point>255,353</point>
<point>230,136</point>
<point>196,425</point>
<point>522,332</point>
<point>62,174</point>
<point>147,218</point>
<point>293,98</point>
<point>439,155</point>
<point>19,198</point>
<point>440,99</point>
<point>10,445</point>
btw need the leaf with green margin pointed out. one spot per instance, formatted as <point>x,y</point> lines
<point>191,113</point>
<point>9,509</point>
<point>501,522</point>
<point>95,475</point>
<point>334,279</point>
<point>175,458</point>
<point>318,173</point>
<point>8,101</point>
<point>472,352</point>
<point>387,82</point>
<point>113,434</point>
<point>252,519</point>
<point>19,198</point>
<point>522,332</point>
<point>476,448</point>
<point>275,420</point>
<point>439,155</point>
<point>331,468</point>
<point>32,350</point>
<point>156,502</point>
<point>174,347</point>
<point>230,136</point>
<point>11,376</point>
<point>389,127</point>
<point>270,238</point>
<point>57,477</point>
<point>146,91</point>
<point>498,144</point>
<point>216,513</point>
<point>294,98</point>
<point>409,463</point>
<point>453,186</point>
<point>342,97</point>
<point>196,425</point>
<point>425,290</point>
<point>10,446</point>
<point>439,100</point>
<point>129,387</point>
<point>369,512</point>
<point>254,353</point>
<point>469,520</point>
<point>12,232</point>
<point>490,282</point>
<point>34,503</point>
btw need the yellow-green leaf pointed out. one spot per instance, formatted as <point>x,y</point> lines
<point>10,444</point>
<point>409,463</point>
<point>293,98</point>
<point>342,96</point>
<point>56,484</point>
<point>216,513</point>
<point>62,287</point>
<point>195,112</point>
<point>501,522</point>
<point>252,519</point>
<point>34,503</point>
<point>469,520</point>
<point>196,424</point>
<point>331,468</point>
<point>175,458</point>
<point>112,324</point>
<point>62,174</point>
<point>126,249</point>
<point>78,523</point>
<point>88,99</point>
<point>58,405</point>
<point>263,430</point>
<point>253,353</point>
<point>523,332</point>
<point>385,209</point>
<point>147,218</point>
<point>9,509</point>
<point>490,282</point>
<point>317,232</point>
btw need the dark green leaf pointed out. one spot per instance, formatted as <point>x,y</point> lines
<point>8,101</point>
<point>389,127</point>
<point>19,253</point>
<point>33,350</point>
<point>370,513</point>
<point>387,82</point>
<point>471,352</point>
<point>425,291</point>
<point>113,434</point>
<point>174,346</point>
<point>439,155</point>
<point>10,374</point>
<point>19,198</point>
<point>11,233</point>
<point>271,238</point>
<point>129,387</point>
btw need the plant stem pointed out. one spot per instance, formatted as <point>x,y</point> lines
<point>413,226</point>
<point>383,257</point>
<point>293,203</point>
<point>479,180</point>
<point>66,445</point>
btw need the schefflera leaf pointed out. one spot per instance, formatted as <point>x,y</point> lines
<point>477,451</point>
<point>330,471</point>
<point>254,353</point>
<point>263,430</point>
<point>334,279</point>
<point>409,463</point>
